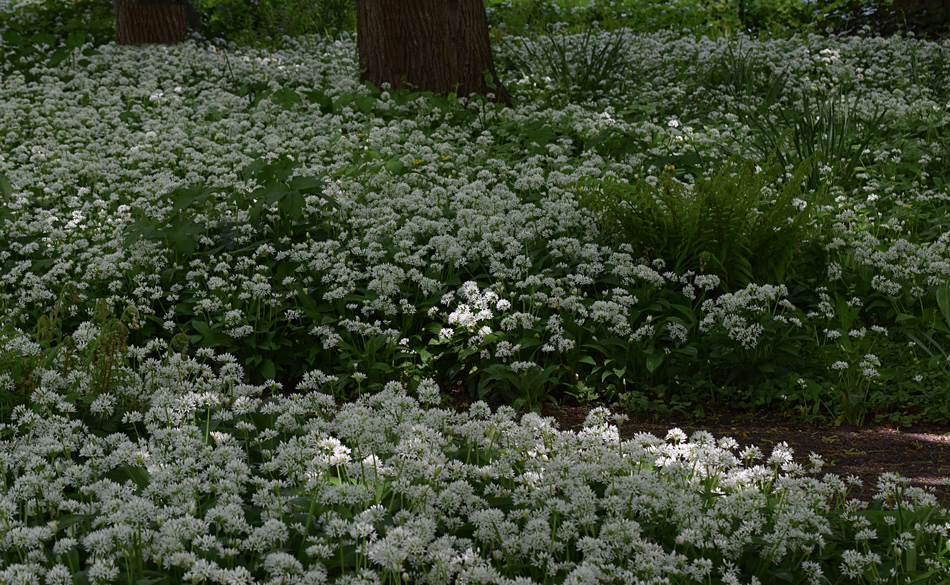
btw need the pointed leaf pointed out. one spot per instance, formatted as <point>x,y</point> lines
<point>58,56</point>
<point>653,362</point>
<point>76,40</point>
<point>943,302</point>
<point>307,184</point>
<point>44,39</point>
<point>292,204</point>
<point>12,38</point>
<point>268,370</point>
<point>6,188</point>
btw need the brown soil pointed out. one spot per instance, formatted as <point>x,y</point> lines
<point>920,453</point>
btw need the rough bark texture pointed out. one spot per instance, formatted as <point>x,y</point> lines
<point>138,24</point>
<point>440,46</point>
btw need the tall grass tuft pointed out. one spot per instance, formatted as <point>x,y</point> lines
<point>823,127</point>
<point>582,65</point>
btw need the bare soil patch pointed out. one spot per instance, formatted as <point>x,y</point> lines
<point>920,453</point>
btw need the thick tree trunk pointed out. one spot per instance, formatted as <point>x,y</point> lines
<point>153,22</point>
<point>440,46</point>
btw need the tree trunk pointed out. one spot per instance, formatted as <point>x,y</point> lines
<point>154,21</point>
<point>440,46</point>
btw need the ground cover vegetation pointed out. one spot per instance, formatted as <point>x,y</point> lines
<point>237,286</point>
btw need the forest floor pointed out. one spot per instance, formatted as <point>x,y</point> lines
<point>920,452</point>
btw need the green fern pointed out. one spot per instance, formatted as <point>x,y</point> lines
<point>741,224</point>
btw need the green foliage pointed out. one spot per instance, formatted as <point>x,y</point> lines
<point>580,66</point>
<point>21,53</point>
<point>780,18</point>
<point>90,358</point>
<point>820,127</point>
<point>274,211</point>
<point>742,224</point>
<point>264,22</point>
<point>94,19</point>
<point>747,77</point>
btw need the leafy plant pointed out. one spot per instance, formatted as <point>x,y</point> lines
<point>264,22</point>
<point>252,327</point>
<point>742,75</point>
<point>21,52</point>
<point>742,224</point>
<point>93,19</point>
<point>583,65</point>
<point>823,128</point>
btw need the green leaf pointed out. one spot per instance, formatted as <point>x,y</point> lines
<point>137,230</point>
<point>364,103</point>
<point>653,361</point>
<point>68,520</point>
<point>184,197</point>
<point>285,98</point>
<point>76,40</point>
<point>292,204</point>
<point>586,359</point>
<point>395,167</point>
<point>253,170</point>
<point>6,188</point>
<point>182,241</point>
<point>58,56</point>
<point>268,370</point>
<point>943,301</point>
<point>44,39</point>
<point>274,191</point>
<point>202,328</point>
<point>307,185</point>
<point>319,98</point>
<point>154,578</point>
<point>138,475</point>
<point>12,38</point>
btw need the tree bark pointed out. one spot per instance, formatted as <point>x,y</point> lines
<point>153,22</point>
<point>440,46</point>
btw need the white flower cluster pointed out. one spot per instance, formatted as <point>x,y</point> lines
<point>741,314</point>
<point>197,502</point>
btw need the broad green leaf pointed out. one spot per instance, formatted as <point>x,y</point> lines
<point>58,56</point>
<point>44,39</point>
<point>292,204</point>
<point>184,197</point>
<point>68,520</point>
<point>275,191</point>
<point>76,40</point>
<point>364,103</point>
<point>139,475</point>
<point>653,361</point>
<point>268,370</point>
<point>154,578</point>
<point>181,239</point>
<point>307,185</point>
<point>285,98</point>
<point>395,167</point>
<point>201,327</point>
<point>6,188</point>
<point>12,38</point>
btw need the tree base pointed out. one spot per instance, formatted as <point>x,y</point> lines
<point>139,24</point>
